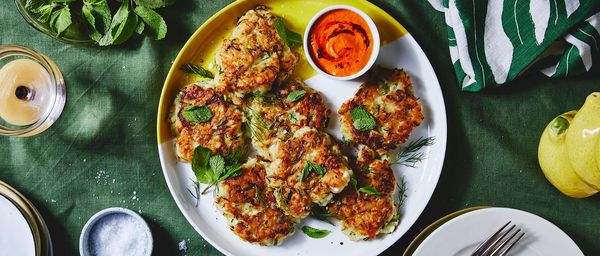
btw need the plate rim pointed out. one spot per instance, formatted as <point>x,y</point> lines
<point>441,138</point>
<point>506,209</point>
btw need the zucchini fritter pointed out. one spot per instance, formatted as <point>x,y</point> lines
<point>364,216</point>
<point>221,134</point>
<point>272,115</point>
<point>254,57</point>
<point>388,97</point>
<point>250,208</point>
<point>307,168</point>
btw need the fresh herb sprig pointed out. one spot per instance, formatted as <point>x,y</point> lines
<point>311,167</point>
<point>194,69</point>
<point>410,155</point>
<point>290,38</point>
<point>321,213</point>
<point>258,127</point>
<point>196,193</point>
<point>132,17</point>
<point>401,192</point>
<point>362,120</point>
<point>369,190</point>
<point>315,232</point>
<point>197,114</point>
<point>211,169</point>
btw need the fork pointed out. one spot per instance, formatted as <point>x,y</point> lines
<point>500,242</point>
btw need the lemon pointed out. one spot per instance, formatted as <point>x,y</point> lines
<point>581,139</point>
<point>554,160</point>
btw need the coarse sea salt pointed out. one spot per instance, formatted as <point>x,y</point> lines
<point>118,234</point>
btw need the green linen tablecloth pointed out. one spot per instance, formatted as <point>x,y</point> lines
<point>102,151</point>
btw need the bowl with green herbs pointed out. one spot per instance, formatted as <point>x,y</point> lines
<point>95,22</point>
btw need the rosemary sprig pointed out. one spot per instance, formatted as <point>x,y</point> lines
<point>259,128</point>
<point>196,194</point>
<point>410,155</point>
<point>193,69</point>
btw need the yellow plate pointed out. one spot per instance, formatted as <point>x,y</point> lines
<point>200,49</point>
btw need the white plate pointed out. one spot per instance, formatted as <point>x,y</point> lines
<point>461,235</point>
<point>16,237</point>
<point>403,52</point>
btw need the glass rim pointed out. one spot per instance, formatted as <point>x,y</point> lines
<point>57,103</point>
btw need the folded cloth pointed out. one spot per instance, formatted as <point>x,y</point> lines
<point>493,41</point>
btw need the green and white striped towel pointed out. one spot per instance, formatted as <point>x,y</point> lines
<point>493,41</point>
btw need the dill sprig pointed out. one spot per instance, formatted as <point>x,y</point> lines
<point>196,194</point>
<point>259,128</point>
<point>193,69</point>
<point>401,191</point>
<point>410,155</point>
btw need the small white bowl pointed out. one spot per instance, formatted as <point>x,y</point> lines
<point>374,33</point>
<point>84,239</point>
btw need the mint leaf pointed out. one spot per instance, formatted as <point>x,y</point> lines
<point>322,214</point>
<point>217,164</point>
<point>140,27</point>
<point>33,5</point>
<point>231,171</point>
<point>193,69</point>
<point>370,191</point>
<point>121,26</point>
<point>60,20</point>
<point>98,16</point>
<point>153,4</point>
<point>126,29</point>
<point>315,233</point>
<point>362,120</point>
<point>295,95</point>
<point>195,114</point>
<point>310,167</point>
<point>289,37</point>
<point>44,11</point>
<point>200,162</point>
<point>156,24</point>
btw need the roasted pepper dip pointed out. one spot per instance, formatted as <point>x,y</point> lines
<point>341,42</point>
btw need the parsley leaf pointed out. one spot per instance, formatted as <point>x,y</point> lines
<point>310,167</point>
<point>315,233</point>
<point>195,114</point>
<point>156,24</point>
<point>289,37</point>
<point>370,191</point>
<point>295,96</point>
<point>362,120</point>
<point>353,181</point>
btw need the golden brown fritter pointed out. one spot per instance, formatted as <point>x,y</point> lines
<point>307,168</point>
<point>364,216</point>
<point>221,134</point>
<point>254,57</point>
<point>388,97</point>
<point>272,115</point>
<point>250,207</point>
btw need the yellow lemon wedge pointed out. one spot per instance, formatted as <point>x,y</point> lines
<point>581,140</point>
<point>554,160</point>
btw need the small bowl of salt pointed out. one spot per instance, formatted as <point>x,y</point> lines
<point>116,231</point>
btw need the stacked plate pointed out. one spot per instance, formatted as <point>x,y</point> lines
<point>461,232</point>
<point>27,232</point>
